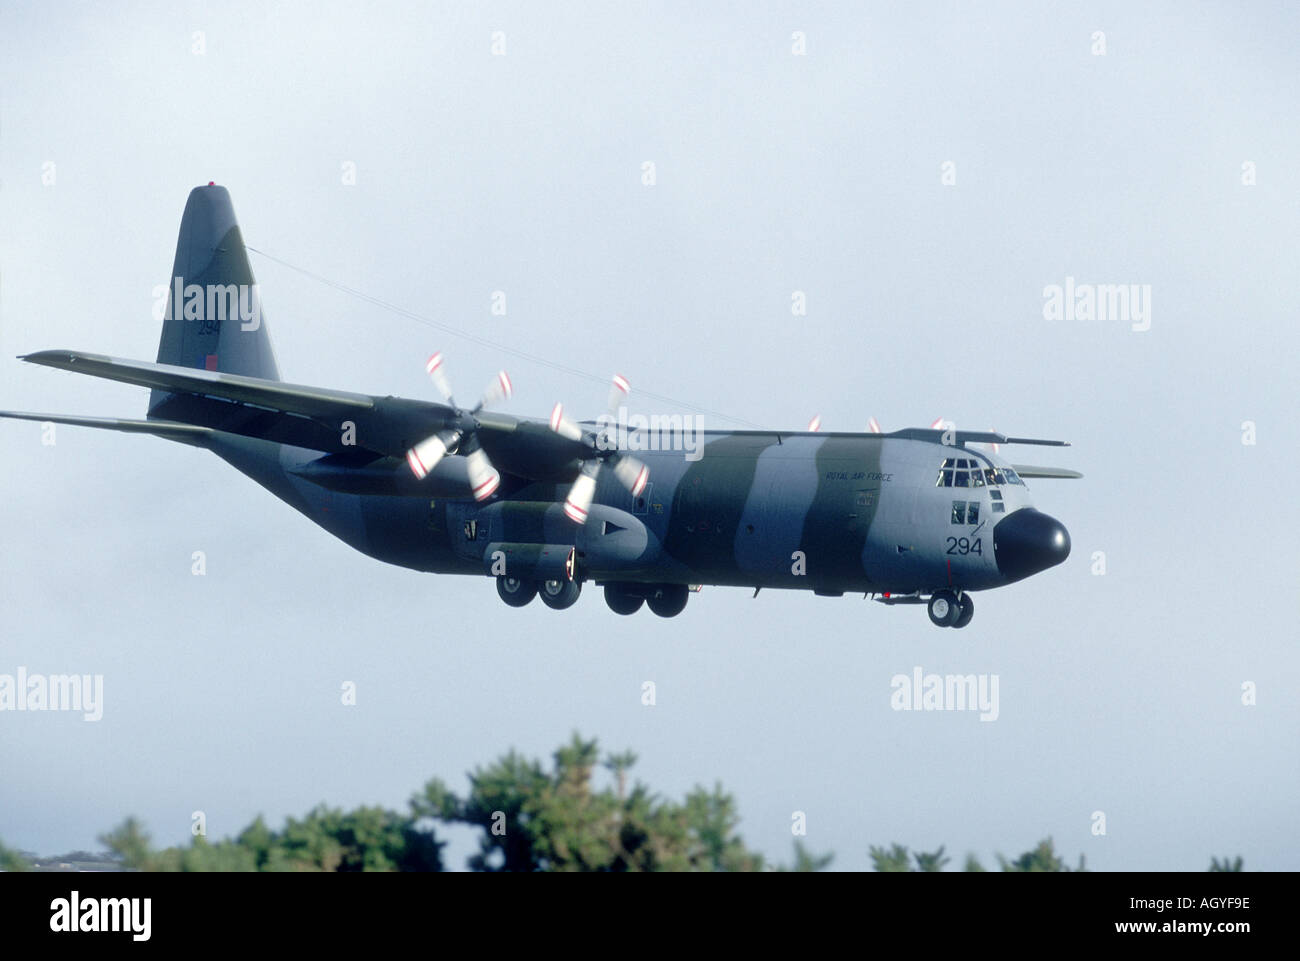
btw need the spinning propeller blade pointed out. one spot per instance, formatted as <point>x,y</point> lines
<point>629,471</point>
<point>463,438</point>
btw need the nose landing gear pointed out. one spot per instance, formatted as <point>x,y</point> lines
<point>950,609</point>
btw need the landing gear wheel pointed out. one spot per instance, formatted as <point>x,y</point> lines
<point>557,595</point>
<point>944,608</point>
<point>621,600</point>
<point>667,600</point>
<point>516,592</point>
<point>967,611</point>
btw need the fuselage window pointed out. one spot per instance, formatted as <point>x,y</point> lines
<point>973,512</point>
<point>959,512</point>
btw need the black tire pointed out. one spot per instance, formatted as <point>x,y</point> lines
<point>621,600</point>
<point>557,595</point>
<point>944,608</point>
<point>967,611</point>
<point>515,592</point>
<point>667,600</point>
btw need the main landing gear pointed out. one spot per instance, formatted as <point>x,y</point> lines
<point>950,609</point>
<point>556,595</point>
<point>559,594</point>
<point>665,600</point>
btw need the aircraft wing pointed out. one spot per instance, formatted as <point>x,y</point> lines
<point>310,417</point>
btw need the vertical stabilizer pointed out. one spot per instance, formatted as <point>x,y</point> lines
<point>214,318</point>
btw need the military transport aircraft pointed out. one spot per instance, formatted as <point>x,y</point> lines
<point>548,505</point>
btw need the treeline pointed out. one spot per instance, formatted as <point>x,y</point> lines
<point>528,818</point>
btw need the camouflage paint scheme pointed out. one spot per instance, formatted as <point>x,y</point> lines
<point>828,512</point>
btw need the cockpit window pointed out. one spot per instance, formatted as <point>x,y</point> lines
<point>968,472</point>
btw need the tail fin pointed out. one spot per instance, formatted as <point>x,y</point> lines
<point>214,315</point>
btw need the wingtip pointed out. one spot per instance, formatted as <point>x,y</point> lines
<point>51,358</point>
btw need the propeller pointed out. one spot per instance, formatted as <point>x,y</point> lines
<point>462,436</point>
<point>631,473</point>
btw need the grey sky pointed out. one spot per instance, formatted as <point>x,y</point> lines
<point>775,173</point>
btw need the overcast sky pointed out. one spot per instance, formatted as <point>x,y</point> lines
<point>774,172</point>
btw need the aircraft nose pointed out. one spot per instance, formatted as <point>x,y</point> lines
<point>1028,541</point>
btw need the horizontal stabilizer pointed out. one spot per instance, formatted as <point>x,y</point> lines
<point>183,433</point>
<point>1050,473</point>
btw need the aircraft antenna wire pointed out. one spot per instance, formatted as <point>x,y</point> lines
<point>488,342</point>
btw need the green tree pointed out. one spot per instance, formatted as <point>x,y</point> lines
<point>129,845</point>
<point>619,765</point>
<point>895,859</point>
<point>931,862</point>
<point>1225,864</point>
<point>899,858</point>
<point>1041,858</point>
<point>806,861</point>
<point>535,820</point>
<point>367,839</point>
<point>11,860</point>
